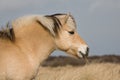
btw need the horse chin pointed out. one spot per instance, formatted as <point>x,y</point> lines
<point>79,55</point>
<point>73,54</point>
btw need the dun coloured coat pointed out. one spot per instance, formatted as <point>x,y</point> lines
<point>31,39</point>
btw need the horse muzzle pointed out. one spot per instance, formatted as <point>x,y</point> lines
<point>83,53</point>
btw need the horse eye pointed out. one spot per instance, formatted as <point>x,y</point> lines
<point>71,32</point>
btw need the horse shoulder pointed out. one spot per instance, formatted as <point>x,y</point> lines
<point>13,62</point>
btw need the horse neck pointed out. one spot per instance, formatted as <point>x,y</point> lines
<point>35,42</point>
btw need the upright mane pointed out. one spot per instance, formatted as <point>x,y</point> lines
<point>7,33</point>
<point>53,24</point>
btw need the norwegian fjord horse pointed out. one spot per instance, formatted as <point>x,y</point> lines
<point>31,39</point>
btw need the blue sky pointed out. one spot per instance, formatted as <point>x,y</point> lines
<point>98,21</point>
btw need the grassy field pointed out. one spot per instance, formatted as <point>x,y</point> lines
<point>67,68</point>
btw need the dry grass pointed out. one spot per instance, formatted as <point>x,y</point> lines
<point>67,68</point>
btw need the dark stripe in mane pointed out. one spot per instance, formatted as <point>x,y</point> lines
<point>56,23</point>
<point>42,25</point>
<point>58,14</point>
<point>7,33</point>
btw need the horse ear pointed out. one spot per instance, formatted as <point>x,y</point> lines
<point>66,18</point>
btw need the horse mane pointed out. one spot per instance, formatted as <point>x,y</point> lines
<point>52,22</point>
<point>7,33</point>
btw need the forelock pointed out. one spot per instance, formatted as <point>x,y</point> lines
<point>70,22</point>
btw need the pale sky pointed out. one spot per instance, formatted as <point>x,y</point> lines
<point>98,21</point>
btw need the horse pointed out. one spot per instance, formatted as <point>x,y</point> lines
<point>29,40</point>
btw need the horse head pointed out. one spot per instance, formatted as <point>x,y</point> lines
<point>65,35</point>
